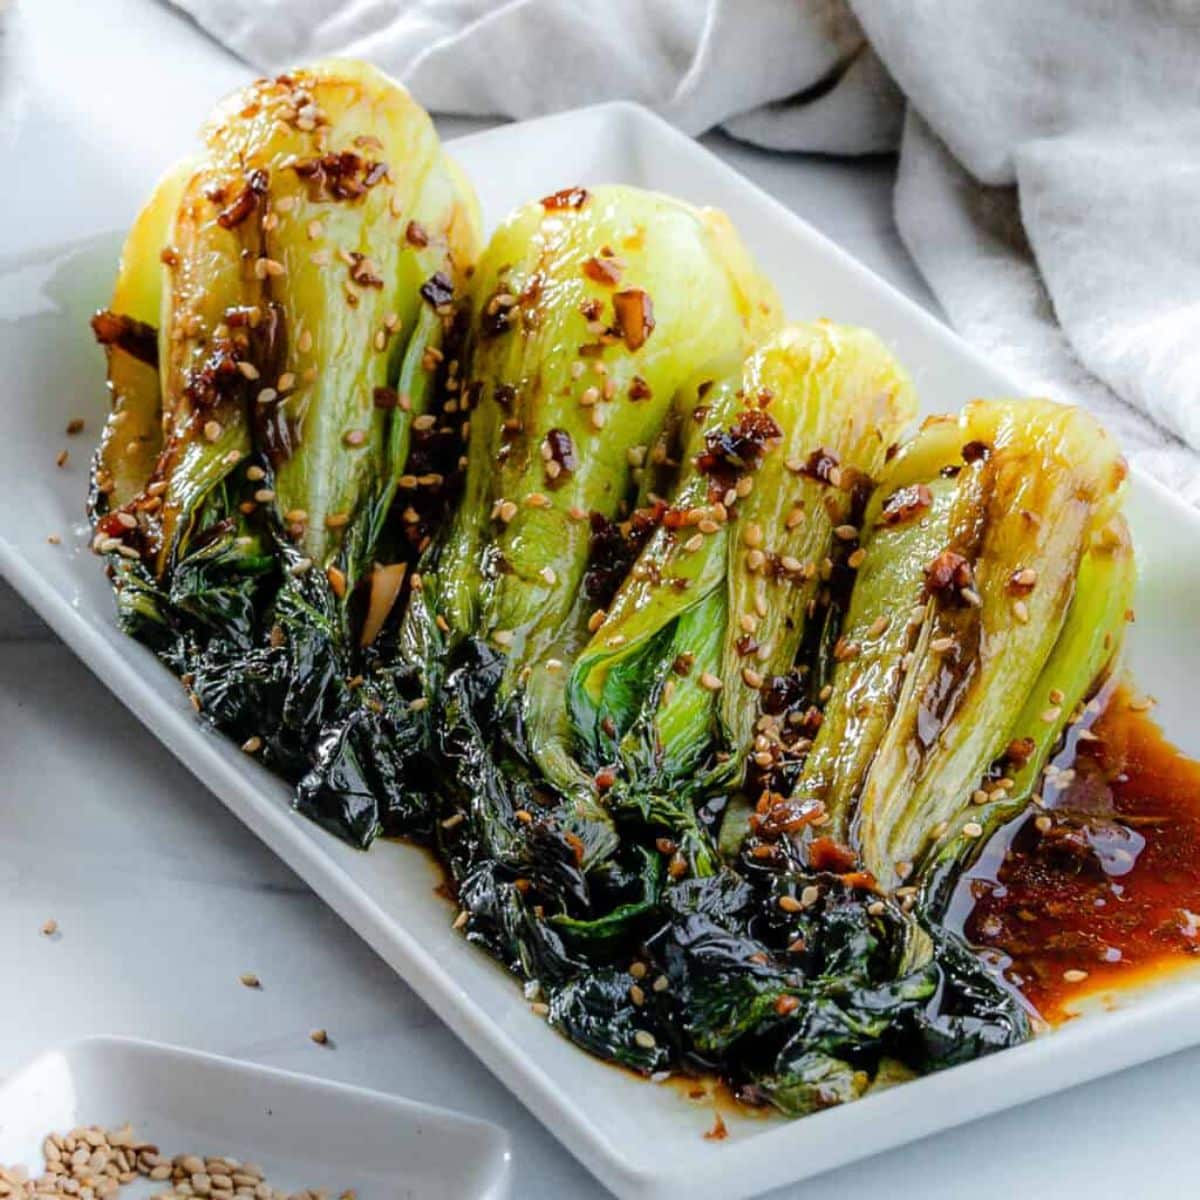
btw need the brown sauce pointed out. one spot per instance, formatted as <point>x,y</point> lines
<point>1101,887</point>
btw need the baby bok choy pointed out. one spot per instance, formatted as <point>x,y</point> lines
<point>667,695</point>
<point>274,342</point>
<point>990,606</point>
<point>590,311</point>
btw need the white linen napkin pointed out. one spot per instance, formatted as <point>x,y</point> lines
<point>1049,166</point>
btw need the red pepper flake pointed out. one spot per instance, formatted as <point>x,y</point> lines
<point>1020,750</point>
<point>438,290</point>
<point>575,197</point>
<point>416,235</point>
<point>905,503</point>
<point>731,453</point>
<point>786,1004</point>
<point>576,843</point>
<point>826,854</point>
<point>246,202</point>
<point>386,397</point>
<point>134,337</point>
<point>822,465</point>
<point>562,450</point>
<point>639,389</point>
<point>948,572</point>
<point>605,271</point>
<point>362,271</point>
<point>718,1133</point>
<point>635,316</point>
<point>605,778</point>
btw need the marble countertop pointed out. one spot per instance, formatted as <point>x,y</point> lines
<point>163,899</point>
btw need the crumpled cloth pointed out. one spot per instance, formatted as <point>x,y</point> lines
<point>1049,149</point>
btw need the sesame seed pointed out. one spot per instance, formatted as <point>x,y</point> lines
<point>904,869</point>
<point>790,904</point>
<point>751,678</point>
<point>286,381</point>
<point>248,370</point>
<point>548,575</point>
<point>694,543</point>
<point>320,1036</point>
<point>540,1008</point>
<point>710,682</point>
<point>972,829</point>
<point>50,928</point>
<point>250,980</point>
<point>212,430</point>
<point>461,920</point>
<point>264,495</point>
<point>503,637</point>
<point>810,895</point>
<point>597,418</point>
<point>856,559</point>
<point>638,970</point>
<point>942,645</point>
<point>878,626</point>
<point>755,559</point>
<point>300,566</point>
<point>1141,704</point>
<point>1075,975</point>
<point>792,565</point>
<point>1021,611</point>
<point>1026,577</point>
<point>637,995</point>
<point>354,437</point>
<point>337,520</point>
<point>252,745</point>
<point>876,908</point>
<point>645,1039</point>
<point>537,500</point>
<point>1043,824</point>
<point>846,533</point>
<point>1052,714</point>
<point>753,535</point>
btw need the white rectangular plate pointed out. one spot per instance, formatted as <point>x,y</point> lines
<point>641,1140</point>
<point>303,1132</point>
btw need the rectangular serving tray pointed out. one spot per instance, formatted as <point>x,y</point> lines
<point>641,1139</point>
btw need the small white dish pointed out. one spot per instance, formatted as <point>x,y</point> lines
<point>643,1140</point>
<point>303,1132</point>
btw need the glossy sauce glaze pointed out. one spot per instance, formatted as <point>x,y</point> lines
<point>1100,886</point>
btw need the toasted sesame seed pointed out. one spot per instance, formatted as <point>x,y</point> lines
<point>755,560</point>
<point>596,620</point>
<point>878,626</point>
<point>250,980</point>
<point>846,533</point>
<point>50,928</point>
<point>212,430</point>
<point>709,681</point>
<point>286,381</point>
<point>638,970</point>
<point>320,1036</point>
<point>252,745</point>
<point>942,645</point>
<point>790,904</point>
<point>645,1039</point>
<point>972,829</point>
<point>751,678</point>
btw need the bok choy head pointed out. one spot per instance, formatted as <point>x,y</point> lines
<point>304,268</point>
<point>668,696</point>
<point>990,605</point>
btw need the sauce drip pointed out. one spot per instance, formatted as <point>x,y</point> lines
<point>1101,886</point>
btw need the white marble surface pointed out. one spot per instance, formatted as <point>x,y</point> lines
<point>163,899</point>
